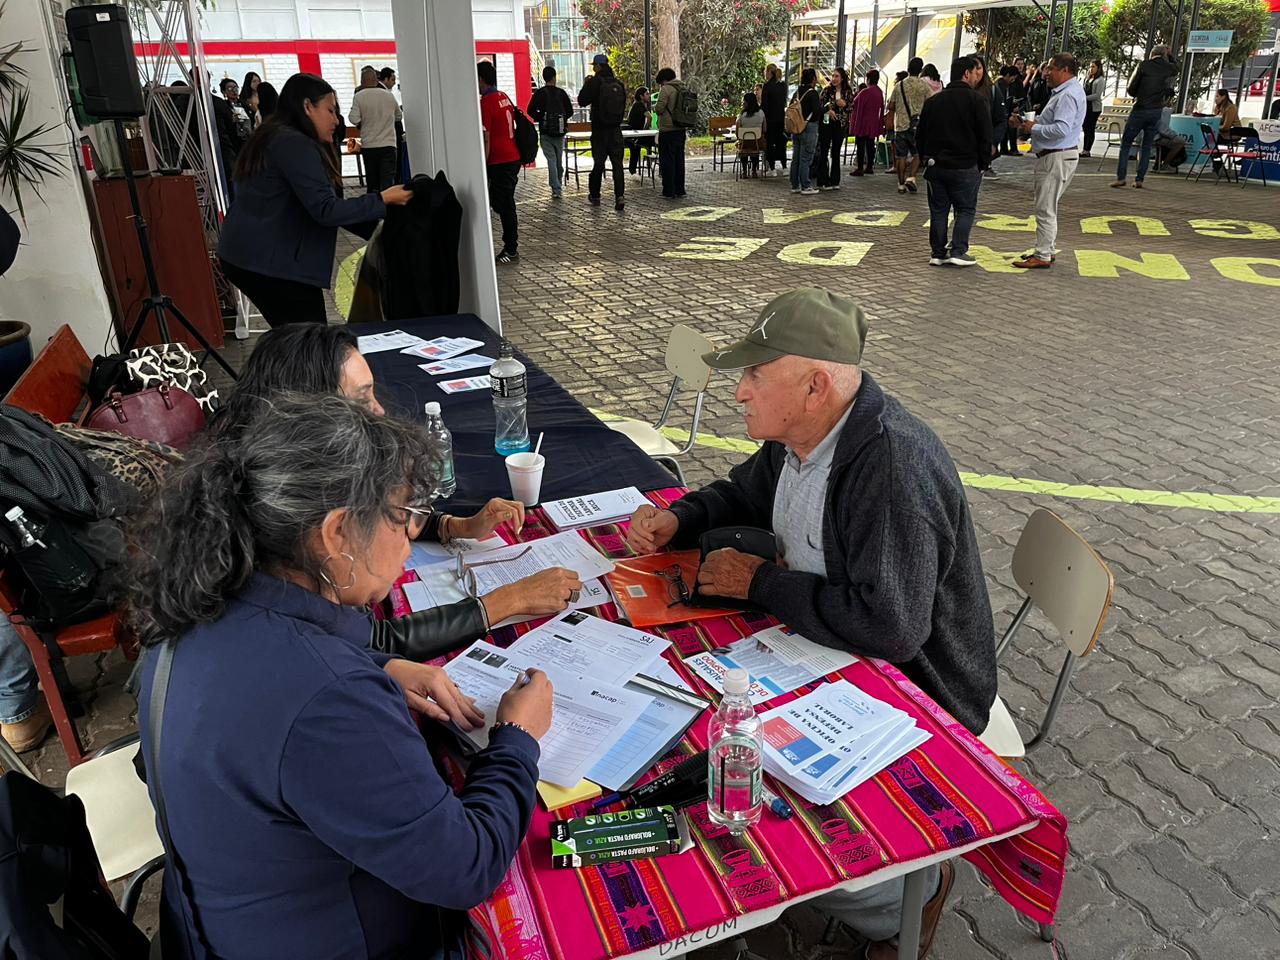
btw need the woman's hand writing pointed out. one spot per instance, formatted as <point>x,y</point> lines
<point>528,703</point>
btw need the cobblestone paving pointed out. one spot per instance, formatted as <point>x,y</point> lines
<point>1166,755</point>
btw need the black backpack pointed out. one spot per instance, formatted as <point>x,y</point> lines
<point>611,102</point>
<point>526,137</point>
<point>553,123</point>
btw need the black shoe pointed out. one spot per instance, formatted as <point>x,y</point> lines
<point>681,196</point>
<point>618,205</point>
<point>595,201</point>
<point>507,256</point>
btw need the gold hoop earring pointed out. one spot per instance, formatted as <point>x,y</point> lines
<point>324,574</point>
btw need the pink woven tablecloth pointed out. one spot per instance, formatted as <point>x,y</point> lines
<point>946,794</point>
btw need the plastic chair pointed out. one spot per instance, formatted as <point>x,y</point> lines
<point>685,348</point>
<point>121,820</point>
<point>1062,575</point>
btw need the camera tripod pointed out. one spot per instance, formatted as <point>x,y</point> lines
<point>156,303</point>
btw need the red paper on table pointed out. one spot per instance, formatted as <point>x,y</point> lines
<point>646,598</point>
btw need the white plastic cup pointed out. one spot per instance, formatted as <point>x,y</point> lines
<point>1029,115</point>
<point>524,470</point>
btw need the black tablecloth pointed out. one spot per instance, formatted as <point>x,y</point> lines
<point>583,455</point>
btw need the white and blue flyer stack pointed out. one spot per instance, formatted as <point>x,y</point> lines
<point>827,742</point>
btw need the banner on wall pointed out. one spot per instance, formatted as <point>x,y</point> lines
<point>1268,144</point>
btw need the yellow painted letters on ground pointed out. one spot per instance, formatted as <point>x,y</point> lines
<point>776,215</point>
<point>717,248</point>
<point>993,261</point>
<point>700,214</point>
<point>1147,226</point>
<point>1235,229</point>
<point>1002,221</point>
<point>1104,263</point>
<point>825,253</point>
<point>872,218</point>
<point>1242,268</point>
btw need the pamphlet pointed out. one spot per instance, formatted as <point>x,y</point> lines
<point>576,513</point>
<point>437,585</point>
<point>778,659</point>
<point>465,384</point>
<point>470,362</point>
<point>442,348</point>
<point>391,340</point>
<point>519,560</point>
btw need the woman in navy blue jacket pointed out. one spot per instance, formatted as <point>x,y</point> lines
<point>306,813</point>
<point>280,234</point>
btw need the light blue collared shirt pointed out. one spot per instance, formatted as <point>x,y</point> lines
<point>1058,125</point>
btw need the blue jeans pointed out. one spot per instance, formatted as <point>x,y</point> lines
<point>1146,122</point>
<point>804,147</point>
<point>553,150</point>
<point>948,189</point>
<point>18,693</point>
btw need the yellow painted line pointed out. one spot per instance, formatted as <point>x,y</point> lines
<point>1193,500</point>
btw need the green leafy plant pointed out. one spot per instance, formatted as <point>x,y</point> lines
<point>25,162</point>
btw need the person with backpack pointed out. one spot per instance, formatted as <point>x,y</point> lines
<point>604,93</point>
<point>803,114</point>
<point>677,112</point>
<point>551,108</point>
<point>908,99</point>
<point>501,156</point>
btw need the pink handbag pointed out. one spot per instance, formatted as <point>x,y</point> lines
<point>166,414</point>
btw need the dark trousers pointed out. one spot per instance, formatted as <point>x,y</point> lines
<point>866,152</point>
<point>1010,142</point>
<point>606,144</point>
<point>503,178</point>
<point>1090,128</point>
<point>379,168</point>
<point>671,162</point>
<point>949,189</point>
<point>1146,122</point>
<point>279,301</point>
<point>776,142</point>
<point>830,144</point>
<point>633,152</point>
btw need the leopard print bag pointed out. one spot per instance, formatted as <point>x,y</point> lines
<point>139,464</point>
<point>172,363</point>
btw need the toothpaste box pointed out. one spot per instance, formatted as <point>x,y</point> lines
<point>610,837</point>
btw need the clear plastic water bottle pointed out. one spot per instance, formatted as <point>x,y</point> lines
<point>29,532</point>
<point>444,441</point>
<point>736,758</point>
<point>510,396</point>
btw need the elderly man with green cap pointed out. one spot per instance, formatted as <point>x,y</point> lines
<point>877,549</point>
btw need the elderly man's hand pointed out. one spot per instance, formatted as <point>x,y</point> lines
<point>651,529</point>
<point>728,573</point>
<point>429,690</point>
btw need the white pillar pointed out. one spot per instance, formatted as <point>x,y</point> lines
<point>55,278</point>
<point>435,51</point>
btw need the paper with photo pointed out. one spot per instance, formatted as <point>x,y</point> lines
<point>442,348</point>
<point>588,717</point>
<point>391,340</point>
<point>465,384</point>
<point>457,364</point>
<point>778,660</point>
<point>588,646</point>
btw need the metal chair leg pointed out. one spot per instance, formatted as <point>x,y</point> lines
<point>1014,624</point>
<point>9,757</point>
<point>133,889</point>
<point>1048,933</point>
<point>672,464</point>
<point>1060,691</point>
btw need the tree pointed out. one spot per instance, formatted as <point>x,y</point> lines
<point>1020,31</point>
<point>1123,34</point>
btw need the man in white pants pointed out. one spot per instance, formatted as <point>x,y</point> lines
<point>1055,141</point>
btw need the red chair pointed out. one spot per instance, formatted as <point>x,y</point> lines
<point>1205,156</point>
<point>54,386</point>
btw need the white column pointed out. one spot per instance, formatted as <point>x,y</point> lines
<point>435,50</point>
<point>55,278</point>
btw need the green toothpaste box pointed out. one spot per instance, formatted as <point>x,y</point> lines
<point>609,837</point>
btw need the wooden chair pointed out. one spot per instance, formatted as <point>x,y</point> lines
<point>721,130</point>
<point>750,149</point>
<point>685,348</point>
<point>1062,575</point>
<point>54,386</point>
<point>575,148</point>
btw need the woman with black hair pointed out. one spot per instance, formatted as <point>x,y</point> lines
<point>773,101</point>
<point>837,99</point>
<point>279,237</point>
<point>268,98</point>
<point>251,82</point>
<point>638,119</point>
<point>319,361</point>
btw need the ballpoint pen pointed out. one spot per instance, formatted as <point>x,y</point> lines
<point>779,807</point>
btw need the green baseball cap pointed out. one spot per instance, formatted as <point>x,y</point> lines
<point>807,322</point>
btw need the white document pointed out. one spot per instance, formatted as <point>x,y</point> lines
<point>588,717</point>
<point>391,340</point>
<point>426,552</point>
<point>778,660</point>
<point>437,585</point>
<point>597,508</point>
<point>470,362</point>
<point>588,646</point>
<point>465,384</point>
<point>519,560</point>
<point>441,348</point>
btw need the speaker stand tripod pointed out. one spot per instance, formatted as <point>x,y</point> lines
<point>157,303</point>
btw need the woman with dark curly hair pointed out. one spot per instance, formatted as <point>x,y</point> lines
<point>305,815</point>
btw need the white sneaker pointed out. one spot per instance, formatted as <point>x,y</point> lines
<point>795,190</point>
<point>810,192</point>
<point>961,260</point>
<point>936,261</point>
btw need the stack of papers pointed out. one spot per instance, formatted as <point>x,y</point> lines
<point>825,743</point>
<point>577,513</point>
<point>441,348</point>
<point>778,660</point>
<point>590,662</point>
<point>391,340</point>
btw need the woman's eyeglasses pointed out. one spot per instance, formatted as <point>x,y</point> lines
<point>415,520</point>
